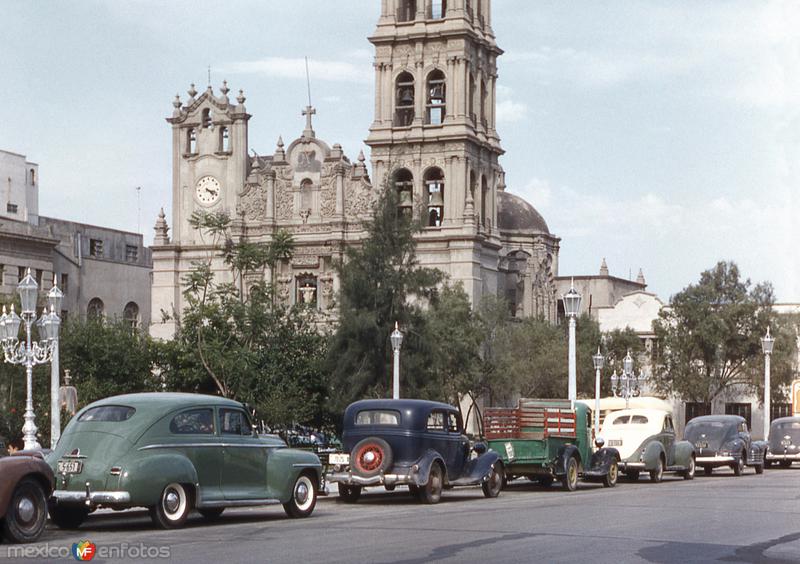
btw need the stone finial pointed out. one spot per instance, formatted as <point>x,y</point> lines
<point>162,229</point>
<point>640,277</point>
<point>604,268</point>
<point>280,154</point>
<point>240,98</point>
<point>192,92</point>
<point>336,151</point>
<point>225,88</point>
<point>361,157</point>
<point>177,101</point>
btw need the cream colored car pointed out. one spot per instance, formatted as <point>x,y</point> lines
<point>645,439</point>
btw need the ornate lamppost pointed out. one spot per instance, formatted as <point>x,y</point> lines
<point>397,341</point>
<point>767,342</point>
<point>599,361</point>
<point>30,353</point>
<point>572,305</point>
<point>627,385</point>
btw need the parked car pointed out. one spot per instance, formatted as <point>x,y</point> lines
<point>645,439</point>
<point>784,442</point>
<point>173,453</point>
<point>723,440</point>
<point>26,483</point>
<point>410,442</point>
<point>547,440</point>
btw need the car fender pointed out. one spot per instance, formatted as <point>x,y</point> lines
<point>424,464</point>
<point>284,465</point>
<point>683,452</point>
<point>479,468</point>
<point>564,454</point>
<point>604,458</point>
<point>652,452</point>
<point>15,468</point>
<point>146,476</point>
<point>758,450</point>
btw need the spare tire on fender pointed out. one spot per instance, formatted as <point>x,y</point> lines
<point>370,457</point>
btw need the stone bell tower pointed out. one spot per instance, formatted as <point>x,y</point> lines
<point>434,138</point>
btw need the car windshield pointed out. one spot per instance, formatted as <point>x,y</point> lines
<point>378,417</point>
<point>791,428</point>
<point>108,413</point>
<point>709,431</point>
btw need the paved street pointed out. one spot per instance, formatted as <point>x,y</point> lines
<point>719,518</point>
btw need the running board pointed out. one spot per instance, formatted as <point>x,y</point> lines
<point>675,469</point>
<point>238,503</point>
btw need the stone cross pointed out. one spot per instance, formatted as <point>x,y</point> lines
<point>308,112</point>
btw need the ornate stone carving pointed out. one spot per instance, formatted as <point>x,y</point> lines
<point>284,287</point>
<point>358,199</point>
<point>253,204</point>
<point>327,199</point>
<point>284,201</point>
<point>327,289</point>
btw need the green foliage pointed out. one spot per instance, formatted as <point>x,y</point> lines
<point>381,283</point>
<point>709,339</point>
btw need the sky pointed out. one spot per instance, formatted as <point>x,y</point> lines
<point>657,135</point>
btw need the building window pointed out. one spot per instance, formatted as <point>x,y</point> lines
<point>33,177</point>
<point>206,118</point>
<point>740,409</point>
<point>64,283</point>
<point>438,9</point>
<point>780,410</point>
<point>224,140</point>
<point>435,103</point>
<point>407,11</point>
<point>434,186</point>
<point>131,253</point>
<point>20,274</point>
<point>307,290</point>
<point>484,201</point>
<point>96,247</point>
<point>484,105</point>
<point>191,141</point>
<point>471,99</point>
<point>12,208</point>
<point>404,100</point>
<point>95,310</point>
<point>2,274</point>
<point>306,194</point>
<point>39,275</point>
<point>404,184</point>
<point>131,315</point>
<point>696,409</point>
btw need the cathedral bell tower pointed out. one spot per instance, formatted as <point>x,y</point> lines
<point>434,137</point>
<point>209,157</point>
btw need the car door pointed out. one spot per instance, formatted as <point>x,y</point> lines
<point>436,435</point>
<point>192,432</point>
<point>744,434</point>
<point>244,469</point>
<point>457,445</point>
<point>668,440</point>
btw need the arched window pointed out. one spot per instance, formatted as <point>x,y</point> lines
<point>307,290</point>
<point>224,140</point>
<point>472,184</point>
<point>435,103</point>
<point>407,11</point>
<point>191,141</point>
<point>96,309</point>
<point>206,118</point>
<point>471,98</point>
<point>33,177</point>
<point>438,9</point>
<point>404,100</point>
<point>484,108</point>
<point>484,201</point>
<point>306,194</point>
<point>434,187</point>
<point>404,184</point>
<point>131,315</point>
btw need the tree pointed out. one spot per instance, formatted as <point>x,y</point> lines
<point>708,340</point>
<point>381,284</point>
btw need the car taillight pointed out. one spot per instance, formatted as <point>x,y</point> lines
<point>116,471</point>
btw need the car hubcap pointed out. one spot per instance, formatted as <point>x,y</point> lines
<point>301,493</point>
<point>171,501</point>
<point>26,510</point>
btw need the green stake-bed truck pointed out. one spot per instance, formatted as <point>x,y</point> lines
<point>547,440</point>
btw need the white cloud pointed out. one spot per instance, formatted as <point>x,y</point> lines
<point>509,110</point>
<point>295,68</point>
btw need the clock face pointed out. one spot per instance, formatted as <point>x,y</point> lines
<point>208,190</point>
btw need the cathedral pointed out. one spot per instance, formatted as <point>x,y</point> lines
<point>433,139</point>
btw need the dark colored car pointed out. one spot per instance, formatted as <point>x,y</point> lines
<point>784,442</point>
<point>723,440</point>
<point>417,443</point>
<point>26,482</point>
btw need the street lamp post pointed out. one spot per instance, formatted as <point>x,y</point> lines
<point>572,305</point>
<point>627,384</point>
<point>767,342</point>
<point>397,340</point>
<point>598,360</point>
<point>29,353</point>
<point>54,298</point>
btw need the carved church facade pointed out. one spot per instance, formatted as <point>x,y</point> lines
<point>433,138</point>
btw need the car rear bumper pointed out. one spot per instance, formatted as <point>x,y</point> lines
<point>714,460</point>
<point>625,466</point>
<point>91,499</point>
<point>350,479</point>
<point>786,456</point>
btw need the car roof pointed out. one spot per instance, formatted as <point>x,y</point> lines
<point>640,411</point>
<point>400,404</point>
<point>162,400</point>
<point>791,419</point>
<point>718,418</point>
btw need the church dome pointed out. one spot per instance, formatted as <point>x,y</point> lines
<point>515,214</point>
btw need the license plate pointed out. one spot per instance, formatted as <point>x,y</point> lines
<point>509,451</point>
<point>70,466</point>
<point>615,442</point>
<point>784,442</point>
<point>339,458</point>
<point>701,444</point>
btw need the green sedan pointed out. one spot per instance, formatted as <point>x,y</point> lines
<point>173,453</point>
